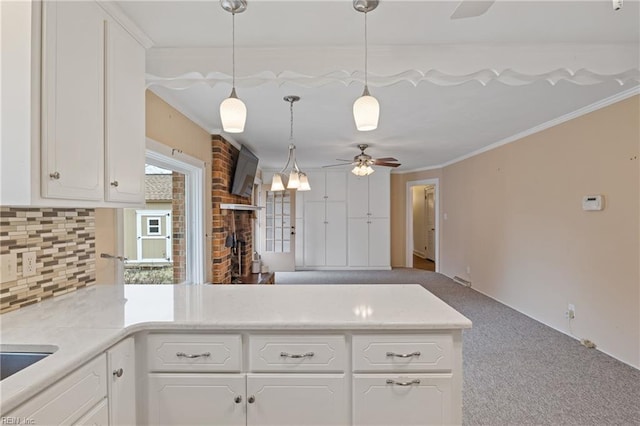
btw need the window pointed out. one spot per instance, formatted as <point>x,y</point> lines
<point>164,242</point>
<point>153,226</point>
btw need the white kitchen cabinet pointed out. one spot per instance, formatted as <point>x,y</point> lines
<point>125,117</point>
<point>73,100</point>
<point>297,400</point>
<point>121,368</point>
<point>196,399</point>
<point>412,399</point>
<point>98,416</point>
<point>77,135</point>
<point>369,235</point>
<point>68,400</point>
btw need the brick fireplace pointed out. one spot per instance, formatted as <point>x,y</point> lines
<point>225,265</point>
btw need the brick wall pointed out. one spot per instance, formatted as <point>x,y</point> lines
<point>64,243</point>
<point>224,157</point>
<point>178,241</point>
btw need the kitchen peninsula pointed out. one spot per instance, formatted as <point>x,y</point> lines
<point>254,355</point>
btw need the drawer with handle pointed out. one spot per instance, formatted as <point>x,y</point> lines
<point>415,352</point>
<point>297,353</point>
<point>194,352</point>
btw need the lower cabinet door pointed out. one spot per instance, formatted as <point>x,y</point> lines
<point>98,416</point>
<point>196,399</point>
<point>414,399</point>
<point>297,400</point>
<point>121,367</point>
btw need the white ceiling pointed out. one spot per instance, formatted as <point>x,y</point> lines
<point>446,88</point>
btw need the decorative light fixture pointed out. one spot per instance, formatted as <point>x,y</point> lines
<point>296,179</point>
<point>362,169</point>
<point>366,109</point>
<point>233,112</point>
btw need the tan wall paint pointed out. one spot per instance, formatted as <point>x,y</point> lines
<point>168,126</point>
<point>165,125</point>
<point>399,211</point>
<point>106,242</point>
<point>515,218</point>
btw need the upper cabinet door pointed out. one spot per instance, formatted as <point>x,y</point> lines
<point>379,193</point>
<point>73,99</point>
<point>358,195</point>
<point>318,187</point>
<point>125,120</point>
<point>336,186</point>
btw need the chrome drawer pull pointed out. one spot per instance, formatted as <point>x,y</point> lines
<point>416,353</point>
<point>412,382</point>
<point>183,355</point>
<point>288,355</point>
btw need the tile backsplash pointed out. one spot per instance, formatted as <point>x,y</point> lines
<point>64,242</point>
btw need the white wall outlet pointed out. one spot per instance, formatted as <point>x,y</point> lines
<point>8,267</point>
<point>571,311</point>
<point>28,264</point>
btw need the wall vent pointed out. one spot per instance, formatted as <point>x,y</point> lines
<point>462,281</point>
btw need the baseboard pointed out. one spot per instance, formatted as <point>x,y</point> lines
<point>554,328</point>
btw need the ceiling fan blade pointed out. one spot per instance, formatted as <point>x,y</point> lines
<point>336,165</point>
<point>386,159</point>
<point>342,159</point>
<point>387,164</point>
<point>471,8</point>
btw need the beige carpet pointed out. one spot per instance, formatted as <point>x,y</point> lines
<point>517,371</point>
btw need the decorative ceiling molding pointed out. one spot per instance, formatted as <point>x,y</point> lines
<point>582,77</point>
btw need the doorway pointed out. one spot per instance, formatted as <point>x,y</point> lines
<point>422,225</point>
<point>277,229</point>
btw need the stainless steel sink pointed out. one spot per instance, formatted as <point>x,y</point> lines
<point>14,358</point>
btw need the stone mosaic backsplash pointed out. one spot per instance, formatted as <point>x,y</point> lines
<point>64,242</point>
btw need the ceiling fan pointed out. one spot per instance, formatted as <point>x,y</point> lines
<point>473,8</point>
<point>362,162</point>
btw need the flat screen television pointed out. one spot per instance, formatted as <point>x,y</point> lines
<point>245,173</point>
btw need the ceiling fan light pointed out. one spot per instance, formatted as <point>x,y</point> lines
<point>304,183</point>
<point>276,183</point>
<point>369,170</point>
<point>233,114</point>
<point>366,112</point>
<point>294,180</point>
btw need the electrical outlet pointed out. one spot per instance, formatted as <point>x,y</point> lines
<point>28,264</point>
<point>571,311</point>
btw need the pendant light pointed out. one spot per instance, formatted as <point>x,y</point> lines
<point>295,178</point>
<point>366,109</point>
<point>233,112</point>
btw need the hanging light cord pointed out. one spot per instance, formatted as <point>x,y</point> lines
<point>233,49</point>
<point>292,147</point>
<point>366,54</point>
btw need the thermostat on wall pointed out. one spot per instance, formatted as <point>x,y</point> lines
<point>592,202</point>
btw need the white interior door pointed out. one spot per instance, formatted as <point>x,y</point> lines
<point>430,223</point>
<point>279,231</point>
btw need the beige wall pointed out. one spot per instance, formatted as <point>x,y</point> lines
<point>106,242</point>
<point>515,219</point>
<point>399,211</point>
<point>165,125</point>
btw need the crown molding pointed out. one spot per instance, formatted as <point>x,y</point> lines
<point>131,27</point>
<point>551,123</point>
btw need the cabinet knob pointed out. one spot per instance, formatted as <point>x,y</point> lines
<point>54,175</point>
<point>251,399</point>
<point>118,373</point>
<point>237,399</point>
<point>114,183</point>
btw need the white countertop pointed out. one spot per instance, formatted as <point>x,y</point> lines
<point>84,323</point>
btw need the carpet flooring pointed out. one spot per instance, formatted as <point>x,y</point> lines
<point>517,371</point>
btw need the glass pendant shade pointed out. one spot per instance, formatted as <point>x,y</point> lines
<point>304,183</point>
<point>294,180</point>
<point>233,114</point>
<point>362,170</point>
<point>366,111</point>
<point>276,183</point>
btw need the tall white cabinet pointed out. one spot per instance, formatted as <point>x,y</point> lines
<point>325,220</point>
<point>345,221</point>
<point>369,223</point>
